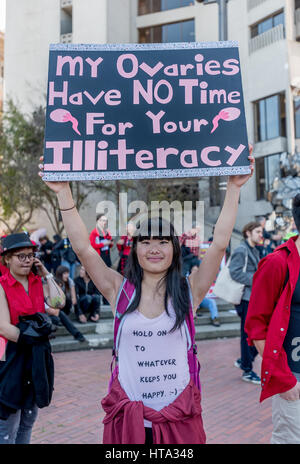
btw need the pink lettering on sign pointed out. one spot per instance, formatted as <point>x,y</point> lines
<point>72,62</point>
<point>151,71</point>
<point>89,161</point>
<point>122,153</point>
<point>77,155</point>
<point>94,65</point>
<point>133,62</point>
<point>188,85</point>
<point>188,159</point>
<point>144,159</point>
<point>58,164</point>
<point>162,154</point>
<point>235,153</point>
<point>204,156</point>
<point>91,120</point>
<point>63,94</point>
<point>102,155</point>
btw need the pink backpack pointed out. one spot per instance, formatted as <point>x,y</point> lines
<point>124,299</point>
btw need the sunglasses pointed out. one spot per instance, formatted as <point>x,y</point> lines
<point>23,256</point>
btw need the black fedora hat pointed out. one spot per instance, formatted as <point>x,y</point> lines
<point>15,241</point>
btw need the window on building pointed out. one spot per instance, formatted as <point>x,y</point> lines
<point>267,24</point>
<point>183,31</point>
<point>152,6</point>
<point>66,26</point>
<point>270,118</point>
<point>297,4</point>
<point>267,169</point>
<point>297,116</point>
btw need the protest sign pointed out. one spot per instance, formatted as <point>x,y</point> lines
<point>144,111</point>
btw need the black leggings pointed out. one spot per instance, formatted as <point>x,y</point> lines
<point>149,436</point>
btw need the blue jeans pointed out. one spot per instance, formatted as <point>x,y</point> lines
<point>211,305</point>
<point>18,427</point>
<point>90,304</point>
<point>70,266</point>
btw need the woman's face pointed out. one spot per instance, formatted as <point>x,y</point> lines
<point>82,273</point>
<point>155,255</point>
<point>20,261</point>
<point>130,228</point>
<point>65,276</point>
<point>102,222</point>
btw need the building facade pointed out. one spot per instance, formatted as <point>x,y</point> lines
<point>268,33</point>
<point>1,69</point>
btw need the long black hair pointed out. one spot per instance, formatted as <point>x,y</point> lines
<point>176,286</point>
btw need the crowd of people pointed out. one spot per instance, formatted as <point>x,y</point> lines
<point>155,293</point>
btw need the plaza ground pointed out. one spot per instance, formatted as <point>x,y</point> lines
<point>232,413</point>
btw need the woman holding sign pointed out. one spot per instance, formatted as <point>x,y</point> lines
<point>154,394</point>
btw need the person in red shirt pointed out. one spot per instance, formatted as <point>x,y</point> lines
<point>124,246</point>
<point>101,240</point>
<point>273,326</point>
<point>22,293</point>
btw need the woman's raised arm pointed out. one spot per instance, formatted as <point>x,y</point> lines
<point>202,279</point>
<point>106,280</point>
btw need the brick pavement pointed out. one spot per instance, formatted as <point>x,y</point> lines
<point>231,410</point>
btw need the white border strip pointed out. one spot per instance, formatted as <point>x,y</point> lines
<point>137,46</point>
<point>155,174</point>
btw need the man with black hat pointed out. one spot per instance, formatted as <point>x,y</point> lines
<point>22,297</point>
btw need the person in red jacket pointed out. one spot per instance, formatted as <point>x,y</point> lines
<point>273,326</point>
<point>101,240</point>
<point>22,293</point>
<point>124,246</point>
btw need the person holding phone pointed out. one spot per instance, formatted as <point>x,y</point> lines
<point>102,241</point>
<point>22,293</point>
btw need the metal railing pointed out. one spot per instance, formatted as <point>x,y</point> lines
<point>66,38</point>
<point>267,38</point>
<point>254,3</point>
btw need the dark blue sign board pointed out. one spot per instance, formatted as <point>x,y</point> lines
<point>145,111</point>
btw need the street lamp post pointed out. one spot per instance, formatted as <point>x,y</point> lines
<point>223,36</point>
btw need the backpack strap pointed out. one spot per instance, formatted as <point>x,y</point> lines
<point>189,321</point>
<point>125,296</point>
<point>194,365</point>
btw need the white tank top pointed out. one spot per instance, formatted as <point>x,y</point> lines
<point>153,364</point>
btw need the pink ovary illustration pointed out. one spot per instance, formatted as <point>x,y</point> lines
<point>61,115</point>
<point>227,114</point>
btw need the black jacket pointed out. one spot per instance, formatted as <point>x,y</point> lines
<point>27,375</point>
<point>82,289</point>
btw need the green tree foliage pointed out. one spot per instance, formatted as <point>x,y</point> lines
<point>21,142</point>
<point>22,192</point>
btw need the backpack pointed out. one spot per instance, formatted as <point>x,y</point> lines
<point>125,297</point>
